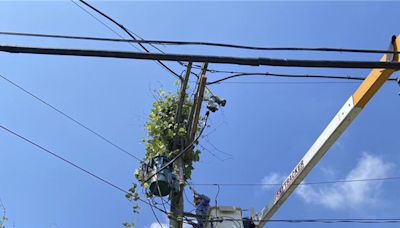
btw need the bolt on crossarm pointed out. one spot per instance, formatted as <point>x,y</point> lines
<point>353,106</point>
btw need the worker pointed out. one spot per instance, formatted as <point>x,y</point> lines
<point>202,203</point>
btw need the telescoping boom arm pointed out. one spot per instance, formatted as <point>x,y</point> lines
<point>332,132</point>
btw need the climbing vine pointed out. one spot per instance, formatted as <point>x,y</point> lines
<point>163,132</point>
<point>3,218</point>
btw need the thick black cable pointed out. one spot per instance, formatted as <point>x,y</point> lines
<point>165,42</point>
<point>282,83</point>
<point>267,74</point>
<point>129,33</point>
<point>74,165</point>
<point>71,118</point>
<point>180,154</point>
<point>303,183</point>
<point>90,38</point>
<point>249,61</point>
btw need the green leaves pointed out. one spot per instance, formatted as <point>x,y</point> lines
<point>3,220</point>
<point>182,131</point>
<point>128,225</point>
<point>162,131</point>
<point>133,197</point>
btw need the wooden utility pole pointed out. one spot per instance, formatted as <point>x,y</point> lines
<point>177,203</point>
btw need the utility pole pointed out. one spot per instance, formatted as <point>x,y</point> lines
<point>177,202</point>
<point>176,209</point>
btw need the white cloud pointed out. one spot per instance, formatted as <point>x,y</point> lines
<point>157,225</point>
<point>165,225</point>
<point>273,178</point>
<point>328,172</point>
<point>352,194</point>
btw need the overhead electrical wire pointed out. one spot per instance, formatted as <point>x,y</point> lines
<point>130,34</point>
<point>316,220</point>
<point>73,164</point>
<point>215,219</point>
<point>133,40</point>
<point>249,61</point>
<point>165,42</point>
<point>94,17</point>
<point>181,153</point>
<point>267,74</point>
<point>154,213</point>
<point>303,183</point>
<point>151,42</point>
<point>326,221</point>
<point>288,83</point>
<point>212,153</point>
<point>71,118</point>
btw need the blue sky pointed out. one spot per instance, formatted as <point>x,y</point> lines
<point>266,128</point>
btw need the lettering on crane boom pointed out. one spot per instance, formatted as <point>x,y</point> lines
<point>289,180</point>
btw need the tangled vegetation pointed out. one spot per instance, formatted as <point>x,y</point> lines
<point>162,132</point>
<point>3,218</point>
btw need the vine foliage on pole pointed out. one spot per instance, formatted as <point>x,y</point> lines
<point>162,131</point>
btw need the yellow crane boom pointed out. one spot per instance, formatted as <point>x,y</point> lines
<point>353,106</point>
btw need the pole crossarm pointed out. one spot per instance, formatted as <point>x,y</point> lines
<point>250,61</point>
<point>353,106</point>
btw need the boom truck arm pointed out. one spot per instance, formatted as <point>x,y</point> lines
<point>353,106</point>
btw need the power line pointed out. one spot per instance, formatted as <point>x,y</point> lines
<point>250,61</point>
<point>243,74</point>
<point>129,33</point>
<point>154,213</point>
<point>181,153</point>
<point>303,183</point>
<point>74,165</point>
<point>212,153</point>
<point>65,160</point>
<point>192,43</point>
<point>71,118</point>
<point>325,221</point>
<point>94,17</point>
<point>291,82</point>
<point>317,220</point>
